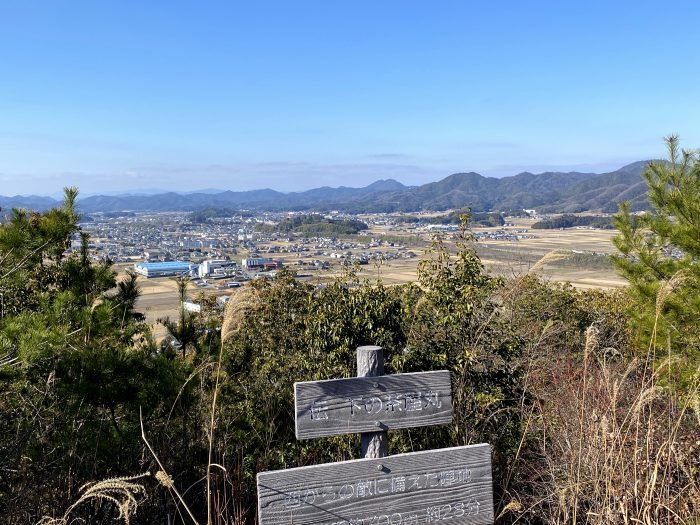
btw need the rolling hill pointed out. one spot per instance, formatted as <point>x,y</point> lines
<point>549,192</point>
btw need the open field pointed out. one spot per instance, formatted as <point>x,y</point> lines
<point>587,269</point>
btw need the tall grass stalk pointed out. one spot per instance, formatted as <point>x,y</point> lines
<point>163,477</point>
<point>241,302</point>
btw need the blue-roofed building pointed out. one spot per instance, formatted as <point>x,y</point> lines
<point>165,269</point>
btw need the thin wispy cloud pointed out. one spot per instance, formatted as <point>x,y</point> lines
<point>279,175</point>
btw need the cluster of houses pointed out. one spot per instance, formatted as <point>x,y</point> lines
<point>156,237</point>
<point>504,235</point>
<point>170,243</point>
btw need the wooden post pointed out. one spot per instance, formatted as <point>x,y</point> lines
<point>416,488</point>
<point>370,363</point>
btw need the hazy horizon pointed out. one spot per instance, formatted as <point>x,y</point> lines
<point>155,190</point>
<point>117,97</point>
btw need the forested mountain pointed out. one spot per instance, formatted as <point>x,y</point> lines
<point>549,191</point>
<point>478,192</point>
<point>32,202</point>
<point>603,192</point>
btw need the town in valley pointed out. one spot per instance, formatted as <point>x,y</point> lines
<point>222,253</point>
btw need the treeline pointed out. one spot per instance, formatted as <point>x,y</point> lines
<point>571,221</point>
<point>487,219</point>
<point>315,224</point>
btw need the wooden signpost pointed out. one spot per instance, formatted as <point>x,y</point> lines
<point>451,485</point>
<point>369,404</point>
<point>447,485</point>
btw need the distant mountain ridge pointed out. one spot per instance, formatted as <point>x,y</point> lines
<point>549,192</point>
<point>31,202</point>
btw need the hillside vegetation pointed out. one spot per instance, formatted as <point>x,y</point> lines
<point>315,225</point>
<point>588,398</point>
<point>571,221</point>
<point>455,217</point>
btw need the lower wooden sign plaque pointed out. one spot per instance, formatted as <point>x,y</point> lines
<point>446,486</point>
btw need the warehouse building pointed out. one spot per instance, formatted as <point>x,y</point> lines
<point>165,269</point>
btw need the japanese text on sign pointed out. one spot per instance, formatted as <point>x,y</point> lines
<point>378,404</point>
<point>376,487</point>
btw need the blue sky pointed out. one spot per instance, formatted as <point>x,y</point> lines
<point>292,95</point>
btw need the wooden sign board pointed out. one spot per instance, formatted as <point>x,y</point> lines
<point>451,485</point>
<point>372,404</point>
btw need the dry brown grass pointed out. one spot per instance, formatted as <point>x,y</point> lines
<point>608,445</point>
<point>606,440</point>
<point>241,303</point>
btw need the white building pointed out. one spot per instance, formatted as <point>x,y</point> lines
<point>192,307</point>
<point>255,262</point>
<point>215,266</point>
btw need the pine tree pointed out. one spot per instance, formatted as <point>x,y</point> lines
<point>660,257</point>
<point>186,330</point>
<point>76,366</point>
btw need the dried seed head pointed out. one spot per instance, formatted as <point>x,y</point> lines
<point>591,340</point>
<point>241,302</point>
<point>164,479</point>
<point>668,288</point>
<point>552,256</point>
